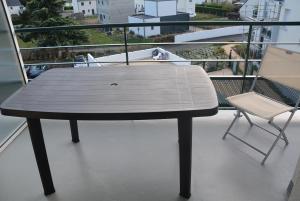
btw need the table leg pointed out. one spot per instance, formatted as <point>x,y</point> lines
<point>185,154</point>
<point>74,131</point>
<point>38,144</point>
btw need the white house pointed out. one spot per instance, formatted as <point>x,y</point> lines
<point>261,10</point>
<point>187,6</point>
<point>139,6</point>
<point>87,7</point>
<point>115,11</point>
<point>158,11</point>
<point>273,10</point>
<point>289,12</point>
<point>15,7</point>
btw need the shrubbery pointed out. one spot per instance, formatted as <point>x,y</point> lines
<point>216,9</point>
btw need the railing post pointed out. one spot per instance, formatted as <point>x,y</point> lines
<point>247,56</point>
<point>126,45</point>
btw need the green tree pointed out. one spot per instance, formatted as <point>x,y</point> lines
<point>46,13</point>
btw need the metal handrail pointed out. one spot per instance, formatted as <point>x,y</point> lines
<point>124,26</point>
<point>163,43</point>
<point>147,24</point>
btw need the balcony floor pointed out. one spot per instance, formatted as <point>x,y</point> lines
<point>138,160</point>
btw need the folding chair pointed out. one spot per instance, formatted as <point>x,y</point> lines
<point>279,66</point>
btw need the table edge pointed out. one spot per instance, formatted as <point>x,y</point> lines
<point>109,116</point>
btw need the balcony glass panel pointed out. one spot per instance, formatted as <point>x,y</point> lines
<point>11,78</point>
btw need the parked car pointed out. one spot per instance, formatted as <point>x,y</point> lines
<point>34,71</point>
<point>82,59</point>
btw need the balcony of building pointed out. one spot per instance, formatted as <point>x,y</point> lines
<point>138,160</point>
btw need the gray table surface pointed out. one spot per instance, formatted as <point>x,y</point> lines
<point>138,91</point>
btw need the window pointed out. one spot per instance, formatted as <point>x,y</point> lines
<point>152,27</point>
<point>103,16</point>
<point>93,12</point>
<point>83,11</point>
<point>102,3</point>
<point>88,10</point>
<point>90,2</point>
<point>82,3</point>
<point>11,8</point>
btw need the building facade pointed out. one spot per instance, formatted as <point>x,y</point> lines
<point>14,7</point>
<point>187,6</point>
<point>159,11</point>
<point>87,7</point>
<point>261,10</point>
<point>139,6</point>
<point>115,11</point>
<point>289,12</point>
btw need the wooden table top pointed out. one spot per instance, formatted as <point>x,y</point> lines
<point>116,93</point>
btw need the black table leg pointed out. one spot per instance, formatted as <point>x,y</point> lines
<point>185,154</point>
<point>36,135</point>
<point>74,131</point>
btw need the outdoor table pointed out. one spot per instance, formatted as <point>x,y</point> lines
<point>117,92</point>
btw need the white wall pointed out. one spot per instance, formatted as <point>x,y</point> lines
<point>289,12</point>
<point>75,6</point>
<point>166,8</point>
<point>139,5</point>
<point>160,8</point>
<point>187,6</point>
<point>144,31</point>
<point>214,33</point>
<point>140,55</point>
<point>246,10</point>
<point>152,31</point>
<point>150,8</point>
<point>137,30</point>
<point>88,7</point>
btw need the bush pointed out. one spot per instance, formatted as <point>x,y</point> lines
<point>217,9</point>
<point>161,39</point>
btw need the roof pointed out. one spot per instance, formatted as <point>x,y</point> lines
<point>13,3</point>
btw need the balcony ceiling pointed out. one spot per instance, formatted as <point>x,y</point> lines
<point>138,160</point>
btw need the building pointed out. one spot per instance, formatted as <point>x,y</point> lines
<point>273,10</point>
<point>87,7</point>
<point>115,11</point>
<point>289,12</point>
<point>15,7</point>
<point>187,6</point>
<point>261,10</point>
<point>159,11</point>
<point>139,6</point>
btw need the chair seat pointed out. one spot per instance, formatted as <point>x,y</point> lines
<point>258,105</point>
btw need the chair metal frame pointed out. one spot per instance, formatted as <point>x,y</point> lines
<point>281,130</point>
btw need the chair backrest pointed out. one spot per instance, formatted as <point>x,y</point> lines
<point>282,66</point>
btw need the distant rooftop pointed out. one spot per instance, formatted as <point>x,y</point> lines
<point>13,3</point>
<point>143,16</point>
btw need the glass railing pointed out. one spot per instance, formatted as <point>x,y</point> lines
<point>231,52</point>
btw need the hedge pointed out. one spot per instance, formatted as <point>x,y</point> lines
<point>212,10</point>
